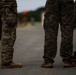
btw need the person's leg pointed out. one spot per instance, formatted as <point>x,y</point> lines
<point>51,30</point>
<point>74,55</point>
<point>9,35</point>
<point>0,27</point>
<point>0,19</point>
<point>74,58</point>
<point>67,19</point>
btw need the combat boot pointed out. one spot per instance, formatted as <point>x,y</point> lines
<point>47,65</point>
<point>11,65</point>
<point>74,58</point>
<point>68,65</point>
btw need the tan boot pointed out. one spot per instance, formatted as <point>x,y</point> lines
<point>68,65</point>
<point>47,65</point>
<point>74,58</point>
<point>12,65</point>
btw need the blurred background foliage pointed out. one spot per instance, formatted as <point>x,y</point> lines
<point>29,15</point>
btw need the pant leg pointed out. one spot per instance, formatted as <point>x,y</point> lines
<point>74,25</point>
<point>51,30</point>
<point>75,15</point>
<point>8,32</point>
<point>0,27</point>
<point>67,19</point>
<point>0,19</point>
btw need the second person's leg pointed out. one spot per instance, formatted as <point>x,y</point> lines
<point>51,31</point>
<point>67,19</point>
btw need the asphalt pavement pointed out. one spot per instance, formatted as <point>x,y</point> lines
<point>29,49</point>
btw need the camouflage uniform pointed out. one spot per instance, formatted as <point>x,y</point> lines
<point>0,19</point>
<point>75,14</point>
<point>0,26</point>
<point>58,12</point>
<point>75,24</point>
<point>9,23</point>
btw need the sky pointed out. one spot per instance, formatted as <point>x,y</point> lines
<point>26,5</point>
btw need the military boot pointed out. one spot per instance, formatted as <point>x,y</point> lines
<point>47,65</point>
<point>11,65</point>
<point>68,65</point>
<point>74,58</point>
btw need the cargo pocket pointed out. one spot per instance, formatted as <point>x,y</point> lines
<point>10,15</point>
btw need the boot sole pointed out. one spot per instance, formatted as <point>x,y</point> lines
<point>7,67</point>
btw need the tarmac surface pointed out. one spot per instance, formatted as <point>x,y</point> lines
<point>29,49</point>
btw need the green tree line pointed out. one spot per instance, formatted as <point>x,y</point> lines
<point>32,14</point>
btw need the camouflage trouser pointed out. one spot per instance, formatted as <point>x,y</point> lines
<point>0,19</point>
<point>75,23</point>
<point>75,14</point>
<point>58,11</point>
<point>9,23</point>
<point>0,26</point>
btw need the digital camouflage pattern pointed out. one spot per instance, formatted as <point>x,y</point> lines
<point>75,13</point>
<point>9,23</point>
<point>0,26</point>
<point>58,12</point>
<point>0,18</point>
<point>75,24</point>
